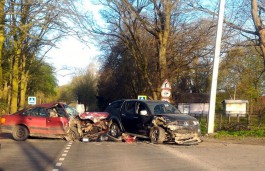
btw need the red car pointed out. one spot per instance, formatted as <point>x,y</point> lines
<point>44,120</point>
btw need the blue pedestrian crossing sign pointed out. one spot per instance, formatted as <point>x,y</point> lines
<point>32,100</point>
<point>142,97</point>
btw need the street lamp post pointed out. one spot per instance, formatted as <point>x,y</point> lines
<point>215,68</point>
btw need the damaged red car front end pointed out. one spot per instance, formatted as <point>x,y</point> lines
<point>54,120</point>
<point>93,126</point>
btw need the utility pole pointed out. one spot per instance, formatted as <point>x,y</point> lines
<point>211,114</point>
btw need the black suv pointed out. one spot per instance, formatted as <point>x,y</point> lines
<point>158,120</point>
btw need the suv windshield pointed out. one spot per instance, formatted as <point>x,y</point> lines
<point>158,108</point>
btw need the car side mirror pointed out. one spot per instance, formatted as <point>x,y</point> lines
<point>143,112</point>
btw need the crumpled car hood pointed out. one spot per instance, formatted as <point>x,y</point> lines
<point>94,116</point>
<point>178,117</point>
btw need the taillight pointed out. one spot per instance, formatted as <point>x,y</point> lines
<point>2,120</point>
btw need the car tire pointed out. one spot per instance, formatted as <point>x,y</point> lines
<point>114,130</point>
<point>20,133</point>
<point>157,135</point>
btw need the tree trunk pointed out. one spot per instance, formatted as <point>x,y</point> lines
<point>14,85</point>
<point>23,83</point>
<point>162,57</point>
<point>164,17</point>
<point>23,61</point>
<point>2,39</point>
<point>260,30</point>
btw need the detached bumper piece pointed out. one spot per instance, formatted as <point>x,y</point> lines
<point>187,139</point>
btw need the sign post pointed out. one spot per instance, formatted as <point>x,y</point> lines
<point>166,91</point>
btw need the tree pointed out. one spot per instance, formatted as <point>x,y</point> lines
<point>27,24</point>
<point>31,29</point>
<point>258,14</point>
<point>161,41</point>
<point>84,88</point>
<point>41,80</point>
<point>2,39</point>
<point>190,56</point>
<point>242,74</point>
<point>119,73</point>
<point>66,94</point>
<point>244,21</point>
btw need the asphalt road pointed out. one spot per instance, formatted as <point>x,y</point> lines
<point>59,155</point>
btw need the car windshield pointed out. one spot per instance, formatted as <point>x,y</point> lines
<point>70,110</point>
<point>158,108</point>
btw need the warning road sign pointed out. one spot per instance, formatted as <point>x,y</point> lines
<point>165,93</point>
<point>166,85</point>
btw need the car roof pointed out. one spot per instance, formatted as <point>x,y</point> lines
<point>46,104</point>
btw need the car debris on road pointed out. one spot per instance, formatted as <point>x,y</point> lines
<point>128,138</point>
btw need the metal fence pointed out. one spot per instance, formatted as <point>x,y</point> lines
<point>256,120</point>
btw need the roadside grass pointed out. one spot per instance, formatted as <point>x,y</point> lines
<point>255,127</point>
<point>250,133</point>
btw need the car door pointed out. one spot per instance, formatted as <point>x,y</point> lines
<point>56,123</point>
<point>129,117</point>
<point>144,120</point>
<point>35,122</point>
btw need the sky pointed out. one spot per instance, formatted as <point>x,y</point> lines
<point>73,55</point>
<point>70,57</point>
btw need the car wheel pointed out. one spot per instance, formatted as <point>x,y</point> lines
<point>20,133</point>
<point>157,135</point>
<point>114,130</point>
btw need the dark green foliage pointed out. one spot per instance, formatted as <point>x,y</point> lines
<point>85,90</point>
<point>42,79</point>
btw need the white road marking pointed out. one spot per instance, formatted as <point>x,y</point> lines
<point>59,164</point>
<point>61,159</point>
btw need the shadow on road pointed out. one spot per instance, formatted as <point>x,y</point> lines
<point>5,136</point>
<point>35,156</point>
<point>32,153</point>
